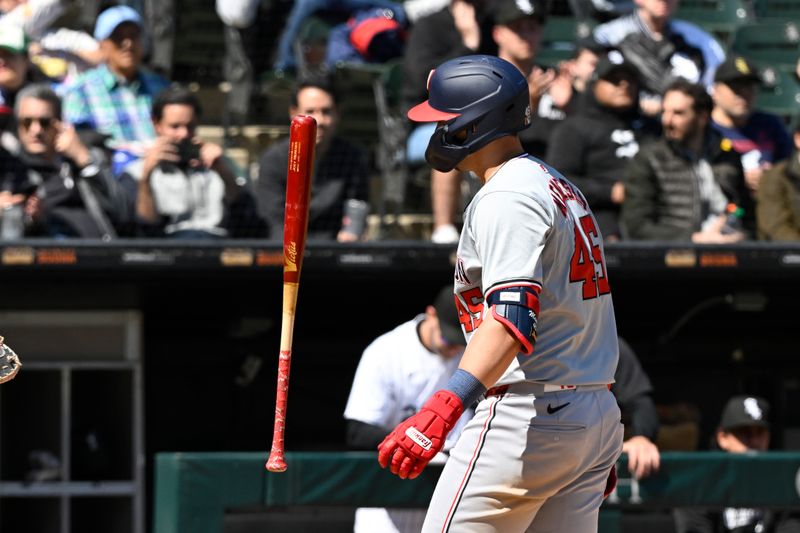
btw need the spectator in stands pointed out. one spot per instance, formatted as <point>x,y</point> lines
<point>16,70</point>
<point>662,48</point>
<point>743,428</point>
<point>33,17</point>
<point>182,186</point>
<point>633,391</point>
<point>562,97</point>
<point>57,51</point>
<point>417,9</point>
<point>340,171</point>
<point>594,146</point>
<point>760,138</point>
<point>397,373</point>
<point>459,29</point>
<point>778,205</point>
<point>14,191</point>
<point>116,97</point>
<point>599,10</point>
<point>335,10</point>
<point>238,17</point>
<point>160,18</point>
<point>72,190</point>
<point>679,187</point>
<point>517,30</point>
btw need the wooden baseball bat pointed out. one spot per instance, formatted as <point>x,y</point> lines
<point>302,138</point>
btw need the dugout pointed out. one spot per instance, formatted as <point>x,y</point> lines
<point>706,322</point>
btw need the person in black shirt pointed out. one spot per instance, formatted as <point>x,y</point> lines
<point>634,392</point>
<point>69,189</point>
<point>340,171</point>
<point>593,146</point>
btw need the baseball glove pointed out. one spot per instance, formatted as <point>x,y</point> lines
<point>9,362</point>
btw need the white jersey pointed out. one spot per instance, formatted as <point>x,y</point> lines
<point>395,377</point>
<point>530,226</point>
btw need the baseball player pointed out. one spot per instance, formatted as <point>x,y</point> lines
<point>534,300</point>
<point>399,371</point>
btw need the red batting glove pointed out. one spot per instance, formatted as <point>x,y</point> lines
<point>414,442</point>
<point>611,482</point>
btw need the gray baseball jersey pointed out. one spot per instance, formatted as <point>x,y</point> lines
<point>537,453</point>
<point>546,238</point>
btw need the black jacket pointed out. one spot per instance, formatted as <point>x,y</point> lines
<point>339,174</point>
<point>662,198</point>
<point>433,40</point>
<point>653,58</point>
<point>68,196</point>
<point>593,147</point>
<point>634,393</point>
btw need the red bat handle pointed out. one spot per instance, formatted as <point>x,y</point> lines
<point>302,139</point>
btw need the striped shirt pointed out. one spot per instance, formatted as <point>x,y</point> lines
<point>102,101</point>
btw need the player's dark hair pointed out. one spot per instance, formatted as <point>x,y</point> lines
<point>175,94</point>
<point>318,81</point>
<point>39,91</point>
<point>701,100</point>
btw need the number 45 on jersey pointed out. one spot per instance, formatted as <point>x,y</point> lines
<point>587,265</point>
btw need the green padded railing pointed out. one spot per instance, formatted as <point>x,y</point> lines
<point>192,490</point>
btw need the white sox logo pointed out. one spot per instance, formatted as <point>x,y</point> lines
<point>423,441</point>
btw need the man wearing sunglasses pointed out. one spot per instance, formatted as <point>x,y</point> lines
<point>69,189</point>
<point>593,147</point>
<point>395,376</point>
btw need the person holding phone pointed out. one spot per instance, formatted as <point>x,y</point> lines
<point>66,189</point>
<point>183,187</point>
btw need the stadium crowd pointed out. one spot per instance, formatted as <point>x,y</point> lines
<point>656,119</point>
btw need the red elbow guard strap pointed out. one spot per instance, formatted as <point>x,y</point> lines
<point>517,307</point>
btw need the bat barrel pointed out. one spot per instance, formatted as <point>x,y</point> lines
<point>302,139</point>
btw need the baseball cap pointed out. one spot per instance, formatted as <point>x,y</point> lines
<point>507,11</point>
<point>13,38</point>
<point>745,411</point>
<point>612,62</point>
<point>737,68</point>
<point>112,17</point>
<point>448,317</point>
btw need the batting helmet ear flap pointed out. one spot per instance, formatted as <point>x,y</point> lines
<point>442,155</point>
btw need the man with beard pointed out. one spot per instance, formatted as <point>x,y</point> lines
<point>680,187</point>
<point>593,147</point>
